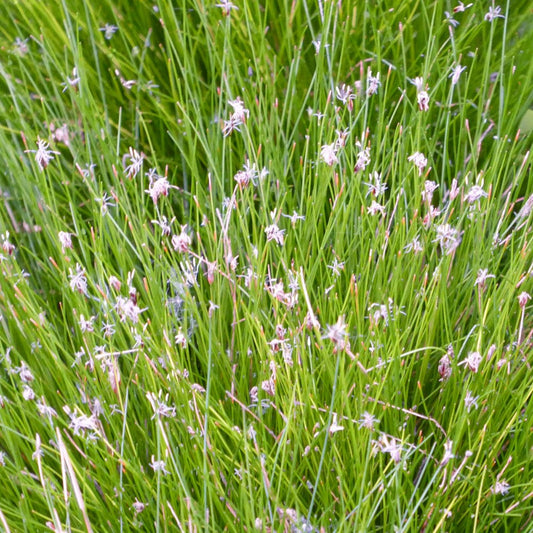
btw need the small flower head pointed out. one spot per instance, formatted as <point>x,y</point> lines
<point>159,466</point>
<point>274,233</point>
<point>338,335</point>
<point>328,154</point>
<point>247,175</point>
<point>43,156</point>
<point>375,186</point>
<point>471,401</point>
<point>226,7</point>
<point>363,157</point>
<point>500,487</point>
<point>138,507</point>
<point>65,239</point>
<point>429,188</point>
<point>368,421</point>
<point>422,99</point>
<point>7,246</point>
<point>108,30</point>
<point>127,309</point>
<point>449,238</point>
<point>335,427</point>
<point>414,246</point>
<point>376,208</point>
<point>419,161</point>
<point>523,298</point>
<point>78,280</point>
<point>493,13</point>
<point>182,242</point>
<point>472,361</point>
<point>240,113</point>
<point>448,454</point>
<point>21,46</point>
<point>159,186</point>
<point>456,73</point>
<point>482,277</point>
<point>445,364</point>
<point>389,445</point>
<point>136,160</point>
<point>372,83</point>
<point>71,82</point>
<point>345,94</point>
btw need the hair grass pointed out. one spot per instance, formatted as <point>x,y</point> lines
<point>270,356</point>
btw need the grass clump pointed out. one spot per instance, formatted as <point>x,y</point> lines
<point>265,266</point>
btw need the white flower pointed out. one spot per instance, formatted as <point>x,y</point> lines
<point>65,239</point>
<point>182,242</point>
<point>456,73</point>
<point>78,280</point>
<point>475,193</point>
<point>376,208</point>
<point>126,309</point>
<point>45,410</point>
<point>273,233</point>
<point>7,245</point>
<point>372,83</point>
<point>429,188</point>
<point>109,30</point>
<point>81,424</point>
<point>368,421</point>
<point>43,156</point>
<point>449,238</point>
<point>238,117</point>
<point>345,94</point>
<point>447,453</point>
<point>419,160</point>
<point>482,277</point>
<point>164,224</point>
<point>414,246</point>
<point>500,487</point>
<point>461,7</point>
<point>523,298</point>
<point>328,153</point>
<point>336,267</point>
<point>136,161</point>
<point>494,12</point>
<point>106,202</point>
<point>422,99</point>
<point>159,466</point>
<point>294,218</point>
<point>159,185</point>
<point>418,82</point>
<point>159,405</point>
<point>226,7</point>
<point>390,446</point>
<point>71,82</point>
<point>240,113</point>
<point>472,361</point>
<point>338,335</point>
<point>363,159</point>
<point>21,46</point>
<point>28,393</point>
<point>86,325</point>
<point>334,427</point>
<point>247,175</point>
<point>471,401</point>
<point>138,506</point>
<point>180,339</point>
